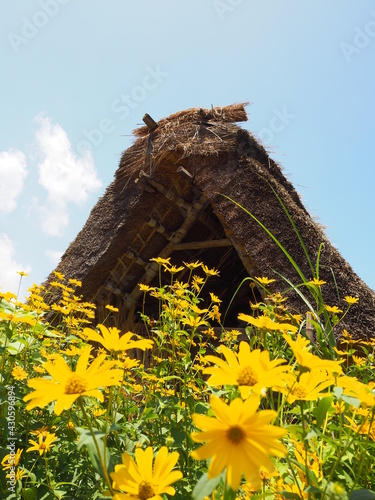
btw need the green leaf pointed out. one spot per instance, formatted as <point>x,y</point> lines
<point>338,392</point>
<point>205,486</point>
<point>29,494</point>
<point>87,440</point>
<point>287,494</point>
<point>321,410</point>
<point>362,495</point>
<point>15,347</point>
<point>351,400</point>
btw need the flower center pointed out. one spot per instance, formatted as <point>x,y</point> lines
<point>299,391</point>
<point>75,384</point>
<point>247,376</point>
<point>145,491</point>
<point>235,434</point>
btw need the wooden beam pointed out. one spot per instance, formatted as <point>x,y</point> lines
<point>197,245</point>
<point>151,124</point>
<point>168,193</point>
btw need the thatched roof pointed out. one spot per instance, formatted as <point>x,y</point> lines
<point>167,200</point>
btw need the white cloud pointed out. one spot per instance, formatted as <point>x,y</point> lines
<point>67,177</point>
<point>54,256</point>
<point>9,279</point>
<point>13,172</point>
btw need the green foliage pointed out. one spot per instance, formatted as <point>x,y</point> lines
<point>329,428</point>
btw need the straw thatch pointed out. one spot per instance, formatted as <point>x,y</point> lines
<point>167,200</point>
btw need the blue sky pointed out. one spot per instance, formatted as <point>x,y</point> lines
<point>78,76</point>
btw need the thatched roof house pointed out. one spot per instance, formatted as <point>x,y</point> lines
<point>167,200</point>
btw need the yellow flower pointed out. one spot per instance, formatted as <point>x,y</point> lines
<point>267,323</point>
<point>309,360</point>
<point>43,445</point>
<point>367,427</point>
<point>193,265</point>
<point>112,341</point>
<point>22,273</point>
<point>160,260</point>
<point>239,439</point>
<point>309,386</point>
<point>194,321</point>
<point>353,387</point>
<point>141,479</point>
<point>42,431</point>
<point>11,461</point>
<point>70,425</point>
<point>127,363</point>
<point>359,361</point>
<point>332,309</point>
<point>210,272</point>
<point>75,282</point>
<point>317,282</point>
<point>214,314</point>
<point>111,308</point>
<point>18,475</point>
<point>250,370</point>
<point>66,386</point>
<point>173,269</point>
<point>351,300</point>
<point>19,373</point>
<point>145,288</point>
<point>264,280</point>
<point>338,407</point>
<point>305,456</point>
<point>39,369</point>
<point>197,281</point>
<point>98,412</point>
<point>215,299</point>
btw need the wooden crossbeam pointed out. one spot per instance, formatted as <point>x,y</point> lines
<point>197,245</point>
<point>170,195</point>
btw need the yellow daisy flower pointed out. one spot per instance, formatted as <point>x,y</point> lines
<point>267,323</point>
<point>251,371</point>
<point>66,385</point>
<point>307,359</point>
<point>215,299</point>
<point>239,439</point>
<point>141,479</point>
<point>353,387</point>
<point>317,282</point>
<point>112,308</point>
<point>75,282</point>
<point>309,386</point>
<point>193,265</point>
<point>332,309</point>
<point>263,280</point>
<point>351,300</point>
<point>43,445</point>
<point>19,373</point>
<point>160,260</point>
<point>112,341</point>
<point>210,272</point>
<point>22,273</point>
<point>11,461</point>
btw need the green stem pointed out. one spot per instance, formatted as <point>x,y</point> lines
<point>305,444</point>
<point>102,464</point>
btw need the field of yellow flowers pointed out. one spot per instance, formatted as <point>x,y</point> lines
<point>90,412</point>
